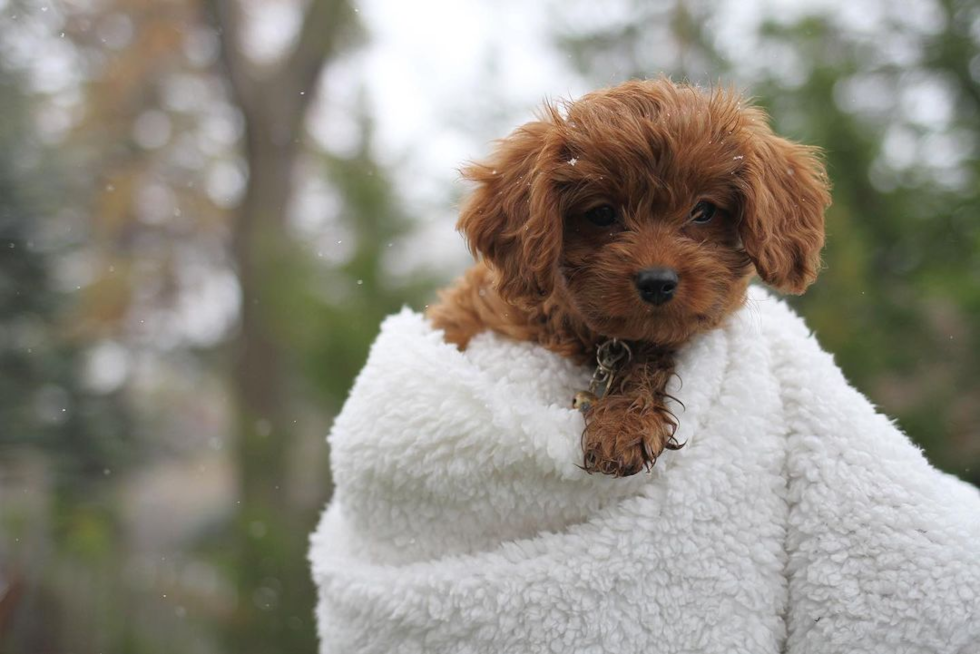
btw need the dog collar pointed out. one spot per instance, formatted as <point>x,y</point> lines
<point>610,355</point>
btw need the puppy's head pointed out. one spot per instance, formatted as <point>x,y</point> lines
<point>643,209</point>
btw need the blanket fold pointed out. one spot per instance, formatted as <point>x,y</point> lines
<point>795,520</point>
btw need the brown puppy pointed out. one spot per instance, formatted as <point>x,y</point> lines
<point>636,213</point>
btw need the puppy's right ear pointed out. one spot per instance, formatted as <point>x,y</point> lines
<point>512,218</point>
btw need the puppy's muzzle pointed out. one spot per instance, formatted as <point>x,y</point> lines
<point>656,285</point>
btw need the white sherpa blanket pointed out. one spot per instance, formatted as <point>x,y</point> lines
<point>795,520</point>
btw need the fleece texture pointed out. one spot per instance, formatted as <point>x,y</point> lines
<point>796,519</point>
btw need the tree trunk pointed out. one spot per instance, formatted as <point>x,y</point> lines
<point>275,595</point>
<point>259,248</point>
<point>271,590</point>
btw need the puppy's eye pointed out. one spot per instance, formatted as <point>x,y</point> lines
<point>601,216</point>
<point>703,212</point>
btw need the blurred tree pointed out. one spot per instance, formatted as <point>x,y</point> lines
<point>185,246</point>
<point>345,308</point>
<point>43,401</point>
<point>274,105</point>
<point>51,425</point>
<point>897,110</point>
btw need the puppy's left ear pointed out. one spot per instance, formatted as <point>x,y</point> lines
<point>785,194</point>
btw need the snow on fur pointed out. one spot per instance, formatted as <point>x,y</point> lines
<point>796,519</point>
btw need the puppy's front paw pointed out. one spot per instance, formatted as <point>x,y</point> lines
<point>624,435</point>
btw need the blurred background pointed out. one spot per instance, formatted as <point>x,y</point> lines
<point>207,207</point>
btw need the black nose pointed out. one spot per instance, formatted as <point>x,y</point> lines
<point>656,285</point>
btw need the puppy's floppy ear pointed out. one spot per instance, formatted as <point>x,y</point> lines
<point>785,194</point>
<point>512,219</point>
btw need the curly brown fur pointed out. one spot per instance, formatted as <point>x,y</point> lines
<point>651,152</point>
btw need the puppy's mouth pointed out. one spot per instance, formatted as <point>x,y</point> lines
<point>664,325</point>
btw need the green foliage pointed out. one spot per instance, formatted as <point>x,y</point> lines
<point>43,404</point>
<point>343,306</point>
